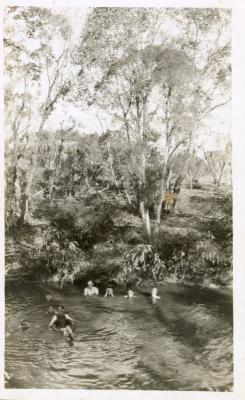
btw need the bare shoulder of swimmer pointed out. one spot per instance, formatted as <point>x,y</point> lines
<point>109,292</point>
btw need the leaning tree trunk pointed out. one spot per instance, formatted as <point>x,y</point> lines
<point>162,191</point>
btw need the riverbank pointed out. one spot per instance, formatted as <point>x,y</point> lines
<point>57,246</point>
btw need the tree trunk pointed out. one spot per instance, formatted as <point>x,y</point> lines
<point>23,209</point>
<point>86,182</point>
<point>177,188</point>
<point>144,212</point>
<point>34,159</point>
<point>158,217</point>
<point>159,208</point>
<point>160,200</point>
<point>221,173</point>
<point>147,222</point>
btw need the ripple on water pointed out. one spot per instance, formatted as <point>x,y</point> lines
<point>171,345</point>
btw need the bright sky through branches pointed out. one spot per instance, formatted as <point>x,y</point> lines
<point>64,114</point>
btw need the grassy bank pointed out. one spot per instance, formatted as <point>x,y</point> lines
<point>75,240</point>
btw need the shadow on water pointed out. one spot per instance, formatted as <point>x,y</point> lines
<point>198,333</point>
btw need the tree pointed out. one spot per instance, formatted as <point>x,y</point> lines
<point>36,73</point>
<point>139,84</point>
<point>206,38</point>
<point>217,160</point>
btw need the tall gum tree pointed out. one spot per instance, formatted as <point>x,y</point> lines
<point>138,84</point>
<point>206,38</point>
<point>36,77</point>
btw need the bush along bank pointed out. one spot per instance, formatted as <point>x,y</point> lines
<point>53,257</point>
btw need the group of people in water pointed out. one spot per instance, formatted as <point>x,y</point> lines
<point>92,290</point>
<point>61,321</point>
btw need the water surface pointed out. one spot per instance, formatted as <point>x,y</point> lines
<point>181,342</point>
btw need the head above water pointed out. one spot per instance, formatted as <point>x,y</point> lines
<point>25,324</point>
<point>90,284</point>
<point>109,291</point>
<point>60,310</point>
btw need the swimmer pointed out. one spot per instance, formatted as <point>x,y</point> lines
<point>48,297</point>
<point>24,325</point>
<point>91,290</point>
<point>7,377</point>
<point>51,310</point>
<point>154,294</point>
<point>63,322</point>
<point>130,294</point>
<point>109,292</point>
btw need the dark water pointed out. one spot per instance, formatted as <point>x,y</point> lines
<point>182,342</point>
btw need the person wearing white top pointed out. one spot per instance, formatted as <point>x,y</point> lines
<point>109,292</point>
<point>91,290</point>
<point>154,294</point>
<point>130,294</point>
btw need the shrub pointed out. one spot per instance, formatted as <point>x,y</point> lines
<point>140,263</point>
<point>86,225</point>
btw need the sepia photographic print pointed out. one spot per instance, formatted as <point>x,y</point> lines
<point>118,198</point>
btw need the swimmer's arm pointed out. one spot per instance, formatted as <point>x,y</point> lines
<point>53,320</point>
<point>96,291</point>
<point>69,318</point>
<point>85,292</point>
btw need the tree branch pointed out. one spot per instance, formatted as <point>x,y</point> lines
<point>176,147</point>
<point>216,106</point>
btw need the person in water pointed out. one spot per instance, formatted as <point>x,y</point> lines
<point>48,297</point>
<point>51,310</point>
<point>130,294</point>
<point>63,322</point>
<point>24,325</point>
<point>7,377</point>
<point>109,292</point>
<point>91,290</point>
<point>154,294</point>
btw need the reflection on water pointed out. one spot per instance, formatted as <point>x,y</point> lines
<point>182,341</point>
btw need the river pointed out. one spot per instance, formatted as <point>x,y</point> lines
<point>183,341</point>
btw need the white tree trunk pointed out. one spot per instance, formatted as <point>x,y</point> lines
<point>147,223</point>
<point>144,212</point>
